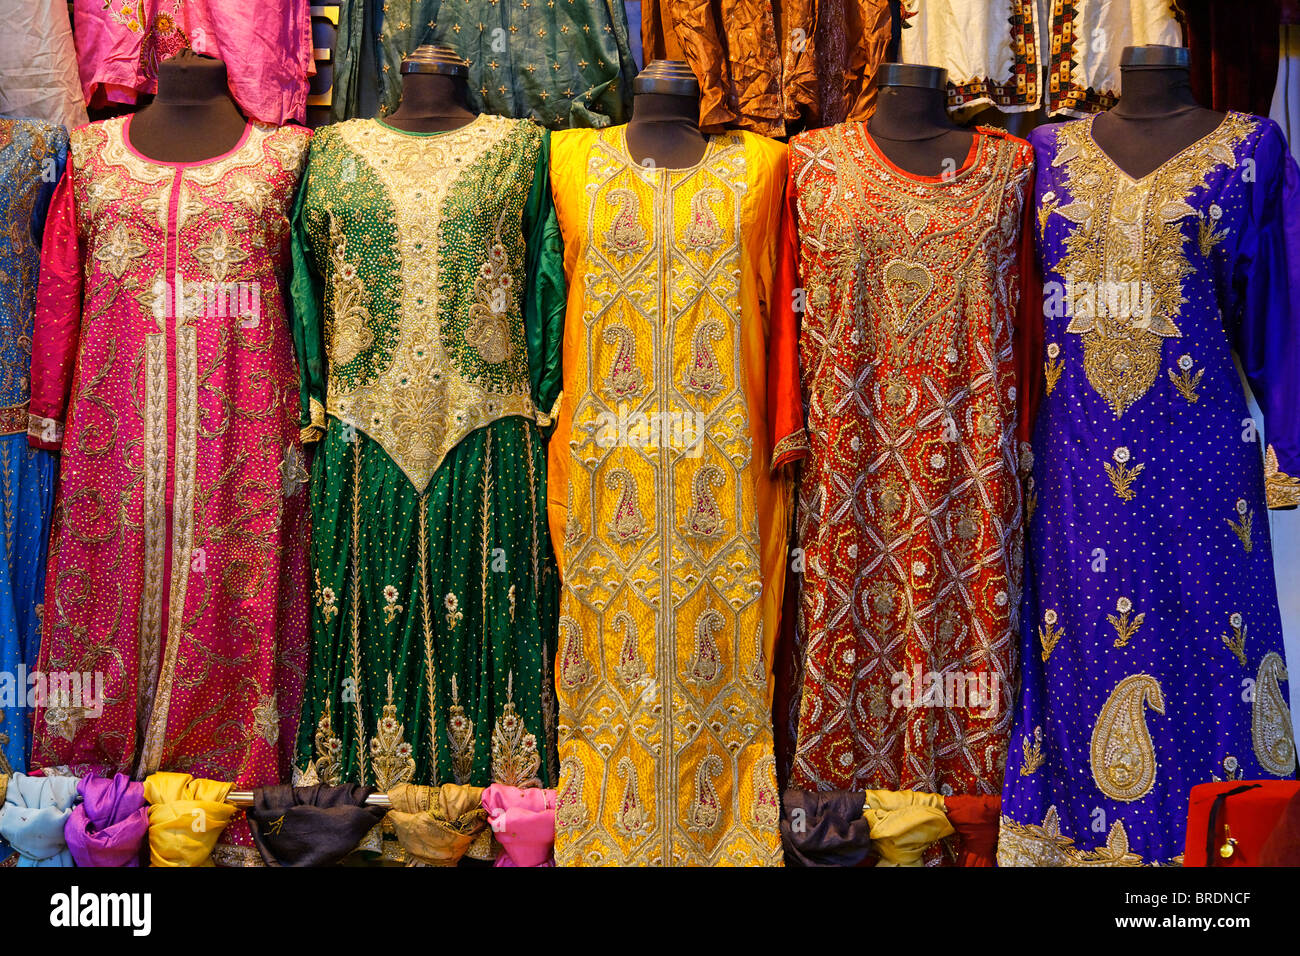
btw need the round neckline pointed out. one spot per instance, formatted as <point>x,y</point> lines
<point>1138,180</point>
<point>709,139</point>
<point>130,148</point>
<point>437,132</point>
<point>961,170</point>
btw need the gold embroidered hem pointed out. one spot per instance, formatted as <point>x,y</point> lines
<point>1030,845</point>
<point>1280,489</point>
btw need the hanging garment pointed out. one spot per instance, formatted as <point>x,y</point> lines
<point>771,68</point>
<point>186,818</point>
<point>429,301</point>
<point>1149,593</point>
<point>559,62</point>
<point>670,522</point>
<point>909,503</point>
<point>904,824</point>
<point>974,819</point>
<point>33,817</point>
<point>1233,49</point>
<point>164,370</point>
<point>266,47</point>
<point>109,825</point>
<point>32,158</point>
<point>995,50</point>
<point>311,826</point>
<point>437,825</point>
<point>39,64</point>
<point>523,822</point>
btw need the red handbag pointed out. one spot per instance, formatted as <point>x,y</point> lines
<point>1231,823</point>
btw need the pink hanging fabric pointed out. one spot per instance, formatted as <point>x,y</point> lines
<point>523,822</point>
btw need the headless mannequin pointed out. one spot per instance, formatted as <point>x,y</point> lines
<point>665,131</point>
<point>1155,119</point>
<point>431,103</point>
<point>912,127</point>
<point>192,118</point>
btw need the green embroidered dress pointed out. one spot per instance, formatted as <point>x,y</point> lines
<point>563,63</point>
<point>429,300</point>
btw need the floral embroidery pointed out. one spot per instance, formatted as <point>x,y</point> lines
<point>454,614</point>
<point>119,249</point>
<point>1122,475</point>
<point>628,668</point>
<point>1030,845</point>
<point>293,471</point>
<point>460,735</point>
<point>1236,643</point>
<point>1242,527</point>
<point>489,329</point>
<point>1231,770</point>
<point>328,766</point>
<point>390,753</point>
<point>1052,367</point>
<point>1124,628</point>
<point>1049,635</point>
<point>219,254</point>
<point>1033,758</point>
<point>1185,381</point>
<point>266,719</point>
<point>1123,754</point>
<point>328,602</point>
<point>510,596</point>
<point>391,607</point>
<point>515,760</point>
<point>1207,236</point>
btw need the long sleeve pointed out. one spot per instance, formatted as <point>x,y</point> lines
<point>544,295</point>
<point>1027,335</point>
<point>57,324</point>
<point>305,297</point>
<point>784,399</point>
<point>1266,331</point>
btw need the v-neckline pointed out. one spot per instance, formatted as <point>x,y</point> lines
<point>1139,180</point>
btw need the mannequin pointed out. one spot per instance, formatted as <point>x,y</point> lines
<point>911,124</point>
<point>1156,116</point>
<point>434,95</point>
<point>665,127</point>
<point>192,118</point>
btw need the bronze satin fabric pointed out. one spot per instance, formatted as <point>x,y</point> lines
<point>824,829</point>
<point>311,826</point>
<point>904,824</point>
<point>773,68</point>
<point>437,825</point>
<point>186,817</point>
<point>975,818</point>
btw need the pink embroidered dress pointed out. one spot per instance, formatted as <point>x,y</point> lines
<point>164,370</point>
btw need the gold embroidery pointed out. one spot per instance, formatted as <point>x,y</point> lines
<point>350,319</point>
<point>426,625</point>
<point>515,760</point>
<point>1052,367</point>
<point>1123,754</point>
<point>1242,527</point>
<point>454,614</point>
<point>628,668</point>
<point>328,603</point>
<point>705,664</point>
<point>1049,635</point>
<point>1124,628</point>
<point>1236,643</point>
<point>570,810</point>
<point>1122,475</point>
<point>1270,720</point>
<point>391,607</point>
<point>631,818</point>
<point>1031,499</point>
<point>1029,845</point>
<point>219,253</point>
<point>329,748</point>
<point>1128,242</point>
<point>703,374</point>
<point>1185,381</point>
<point>625,237</point>
<point>1280,489</point>
<point>460,735</point>
<point>266,719</point>
<point>907,284</point>
<point>118,249</point>
<point>1033,753</point>
<point>625,378</point>
<point>489,328</point>
<point>1207,237</point>
<point>704,517</point>
<point>702,232</point>
<point>626,522</point>
<point>575,670</point>
<point>767,805</point>
<point>392,760</point>
<point>154,521</point>
<point>706,806</point>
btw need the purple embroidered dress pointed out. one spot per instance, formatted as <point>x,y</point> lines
<point>1151,643</point>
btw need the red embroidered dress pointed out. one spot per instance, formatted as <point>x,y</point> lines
<point>909,506</point>
<point>163,368</point>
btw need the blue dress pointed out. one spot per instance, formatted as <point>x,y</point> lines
<point>32,157</point>
<point>1151,641</point>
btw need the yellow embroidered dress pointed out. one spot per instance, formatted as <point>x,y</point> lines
<point>669,526</point>
<point>429,304</point>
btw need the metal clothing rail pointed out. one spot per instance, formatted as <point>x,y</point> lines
<point>244,798</point>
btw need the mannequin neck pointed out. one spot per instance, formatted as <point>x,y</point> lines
<point>192,117</point>
<point>665,130</point>
<point>910,113</point>
<point>1152,93</point>
<point>431,103</point>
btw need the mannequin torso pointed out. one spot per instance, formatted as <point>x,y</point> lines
<point>912,128</point>
<point>193,117</point>
<point>1156,118</point>
<point>665,131</point>
<point>431,103</point>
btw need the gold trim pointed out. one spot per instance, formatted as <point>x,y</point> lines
<point>1022,844</point>
<point>1280,489</point>
<point>154,524</point>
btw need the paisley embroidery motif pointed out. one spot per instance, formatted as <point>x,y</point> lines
<point>704,518</point>
<point>767,805</point>
<point>1123,754</point>
<point>575,670</point>
<point>625,379</point>
<point>703,374</point>
<point>1270,719</point>
<point>706,806</point>
<point>570,809</point>
<point>705,664</point>
<point>624,237</point>
<point>630,819</point>
<point>628,669</point>
<point>702,233</point>
<point>626,523</point>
